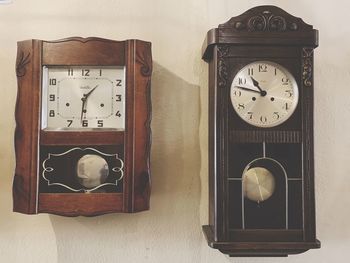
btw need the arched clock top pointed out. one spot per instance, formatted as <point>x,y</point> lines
<point>266,19</point>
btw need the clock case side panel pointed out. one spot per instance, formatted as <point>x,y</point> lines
<point>307,86</point>
<point>138,126</point>
<point>28,73</point>
<point>216,147</point>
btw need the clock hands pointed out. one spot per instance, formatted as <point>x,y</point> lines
<point>256,84</point>
<point>84,100</point>
<point>247,89</point>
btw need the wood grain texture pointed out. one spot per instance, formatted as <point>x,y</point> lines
<point>80,204</point>
<point>261,33</point>
<point>267,25</point>
<point>27,123</point>
<point>32,55</point>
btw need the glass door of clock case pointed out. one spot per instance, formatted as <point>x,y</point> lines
<point>282,209</point>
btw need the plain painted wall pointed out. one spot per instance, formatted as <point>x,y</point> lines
<point>171,230</point>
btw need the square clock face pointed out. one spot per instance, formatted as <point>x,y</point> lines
<point>83,98</point>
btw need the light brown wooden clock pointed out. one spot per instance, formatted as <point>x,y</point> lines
<point>83,135</point>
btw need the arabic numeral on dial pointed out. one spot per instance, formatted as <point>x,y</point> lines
<point>263,119</point>
<point>286,106</point>
<point>285,81</point>
<point>119,82</point>
<point>52,97</point>
<point>70,72</point>
<point>262,68</point>
<point>289,93</point>
<point>250,115</point>
<point>241,106</point>
<point>118,114</point>
<point>85,123</point>
<point>52,82</point>
<point>242,81</point>
<point>100,123</point>
<point>85,72</point>
<point>276,115</point>
<point>118,97</point>
<point>237,93</point>
<point>250,71</point>
<point>69,123</point>
<point>52,113</point>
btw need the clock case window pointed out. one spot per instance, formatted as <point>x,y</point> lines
<point>50,161</point>
<point>285,223</point>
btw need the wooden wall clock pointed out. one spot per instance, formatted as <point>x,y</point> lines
<point>83,116</point>
<point>261,168</point>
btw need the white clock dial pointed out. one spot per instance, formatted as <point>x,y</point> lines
<point>264,94</point>
<point>81,98</point>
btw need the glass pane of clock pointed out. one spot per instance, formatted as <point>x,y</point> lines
<point>83,98</point>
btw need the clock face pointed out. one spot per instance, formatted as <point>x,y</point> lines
<point>83,98</point>
<point>264,94</point>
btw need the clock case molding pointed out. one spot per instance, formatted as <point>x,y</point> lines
<point>261,33</point>
<point>135,140</point>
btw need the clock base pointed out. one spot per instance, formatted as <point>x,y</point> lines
<point>258,249</point>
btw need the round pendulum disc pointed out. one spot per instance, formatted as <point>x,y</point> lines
<point>258,184</point>
<point>92,170</point>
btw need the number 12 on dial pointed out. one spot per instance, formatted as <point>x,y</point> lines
<point>82,98</point>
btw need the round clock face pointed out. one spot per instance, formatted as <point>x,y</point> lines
<point>258,184</point>
<point>92,170</point>
<point>264,94</point>
<point>81,98</point>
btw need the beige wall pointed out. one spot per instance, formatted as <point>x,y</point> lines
<point>171,230</point>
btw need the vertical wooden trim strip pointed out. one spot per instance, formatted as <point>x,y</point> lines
<point>308,142</point>
<point>129,130</point>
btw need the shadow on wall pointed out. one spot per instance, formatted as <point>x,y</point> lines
<point>172,224</point>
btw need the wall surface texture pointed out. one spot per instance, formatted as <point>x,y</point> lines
<point>171,230</point>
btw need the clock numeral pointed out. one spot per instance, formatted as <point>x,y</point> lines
<point>51,113</point>
<point>119,97</point>
<point>275,71</point>
<point>263,119</point>
<point>85,72</point>
<point>262,68</point>
<point>100,72</point>
<point>276,114</point>
<point>52,82</point>
<point>52,97</point>
<point>250,71</point>
<point>119,82</point>
<point>237,93</point>
<point>118,114</point>
<point>85,123</point>
<point>70,72</point>
<point>250,115</point>
<point>69,123</point>
<point>241,106</point>
<point>100,123</point>
<point>286,106</point>
<point>285,81</point>
<point>289,93</point>
<point>242,81</point>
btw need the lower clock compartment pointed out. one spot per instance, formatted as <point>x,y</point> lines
<point>79,204</point>
<point>82,169</point>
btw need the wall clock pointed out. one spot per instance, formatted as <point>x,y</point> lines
<point>82,136</point>
<point>261,168</point>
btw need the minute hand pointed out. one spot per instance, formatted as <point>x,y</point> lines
<point>247,89</point>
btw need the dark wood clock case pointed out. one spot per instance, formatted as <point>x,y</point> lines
<point>32,194</point>
<point>284,224</point>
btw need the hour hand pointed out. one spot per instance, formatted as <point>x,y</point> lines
<point>247,89</point>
